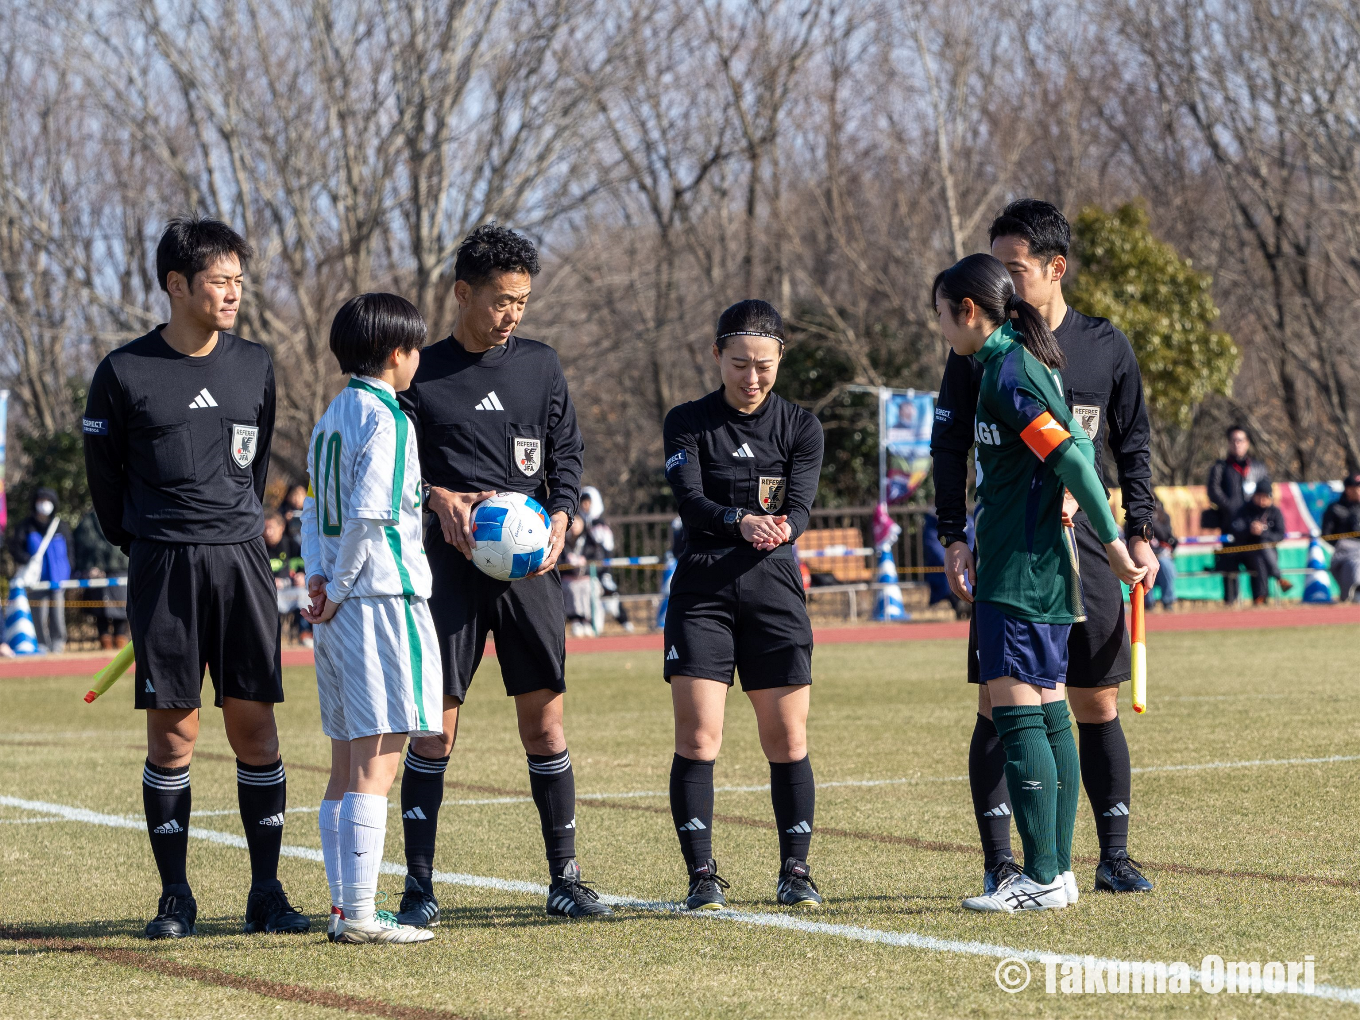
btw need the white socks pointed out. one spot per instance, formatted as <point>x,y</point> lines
<point>363,824</point>
<point>328,821</point>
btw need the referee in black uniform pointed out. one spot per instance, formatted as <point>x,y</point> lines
<point>492,412</point>
<point>1104,389</point>
<point>177,430</point>
<point>744,465</point>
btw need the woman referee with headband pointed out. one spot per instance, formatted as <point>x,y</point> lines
<point>744,465</point>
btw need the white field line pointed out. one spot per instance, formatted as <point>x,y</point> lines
<point>1250,764</point>
<point>903,939</point>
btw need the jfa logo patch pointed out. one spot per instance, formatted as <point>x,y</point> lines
<point>1088,417</point>
<point>528,455</point>
<point>986,434</point>
<point>243,444</point>
<point>772,493</point>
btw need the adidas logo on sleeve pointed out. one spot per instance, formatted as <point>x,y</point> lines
<point>204,399</point>
<point>490,402</point>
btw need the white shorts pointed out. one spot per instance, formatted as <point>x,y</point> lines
<point>378,669</point>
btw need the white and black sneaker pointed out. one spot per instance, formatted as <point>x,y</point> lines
<point>1070,884</point>
<point>998,873</point>
<point>706,888</point>
<point>1020,892</point>
<point>568,896</point>
<point>418,906</point>
<point>795,887</point>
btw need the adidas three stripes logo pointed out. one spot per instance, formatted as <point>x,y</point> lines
<point>802,828</point>
<point>1119,810</point>
<point>415,814</point>
<point>490,402</point>
<point>693,825</point>
<point>743,452</point>
<point>204,399</point>
<point>1000,811</point>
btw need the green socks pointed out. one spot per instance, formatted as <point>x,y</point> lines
<point>1032,778</point>
<point>1069,777</point>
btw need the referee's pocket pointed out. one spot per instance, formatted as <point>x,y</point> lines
<point>163,454</point>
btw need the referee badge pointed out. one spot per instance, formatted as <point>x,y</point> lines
<point>1088,417</point>
<point>528,455</point>
<point>243,443</point>
<point>772,493</point>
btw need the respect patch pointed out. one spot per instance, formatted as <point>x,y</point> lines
<point>675,460</point>
<point>944,414</point>
<point>95,426</point>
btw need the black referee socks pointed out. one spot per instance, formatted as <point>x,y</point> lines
<point>1106,772</point>
<point>422,794</point>
<point>262,791</point>
<point>794,797</point>
<point>166,797</point>
<point>991,801</point>
<point>554,788</point>
<point>692,808</point>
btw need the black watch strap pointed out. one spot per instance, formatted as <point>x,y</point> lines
<point>948,538</point>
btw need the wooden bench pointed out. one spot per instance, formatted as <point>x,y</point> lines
<point>847,569</point>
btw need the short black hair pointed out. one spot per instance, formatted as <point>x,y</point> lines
<point>1043,227</point>
<point>1227,433</point>
<point>370,327</point>
<point>191,244</point>
<point>751,317</point>
<point>494,249</point>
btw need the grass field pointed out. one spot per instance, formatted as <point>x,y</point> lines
<point>1252,850</point>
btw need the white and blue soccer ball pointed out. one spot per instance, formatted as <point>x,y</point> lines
<point>510,536</point>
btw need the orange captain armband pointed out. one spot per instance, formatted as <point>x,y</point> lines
<point>1044,435</point>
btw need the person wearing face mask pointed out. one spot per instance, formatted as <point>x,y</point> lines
<point>49,607</point>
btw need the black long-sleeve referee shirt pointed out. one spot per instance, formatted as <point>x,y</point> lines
<point>502,420</point>
<point>177,447</point>
<point>717,458</point>
<point>1104,388</point>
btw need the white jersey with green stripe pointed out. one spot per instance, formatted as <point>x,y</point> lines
<point>361,524</point>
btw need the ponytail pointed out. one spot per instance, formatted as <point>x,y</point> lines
<point>985,281</point>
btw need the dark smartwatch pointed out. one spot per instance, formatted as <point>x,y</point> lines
<point>1143,531</point>
<point>732,519</point>
<point>948,538</point>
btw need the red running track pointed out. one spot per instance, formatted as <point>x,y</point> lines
<point>1246,619</point>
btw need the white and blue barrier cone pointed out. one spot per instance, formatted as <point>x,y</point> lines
<point>1318,590</point>
<point>19,633</point>
<point>667,572</point>
<point>888,602</point>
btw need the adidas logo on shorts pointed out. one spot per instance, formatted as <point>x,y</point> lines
<point>672,654</point>
<point>1000,811</point>
<point>168,829</point>
<point>1118,811</point>
<point>802,828</point>
<point>693,825</point>
<point>149,688</point>
<point>273,821</point>
<point>415,814</point>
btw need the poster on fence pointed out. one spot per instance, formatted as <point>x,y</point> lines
<point>4,417</point>
<point>904,422</point>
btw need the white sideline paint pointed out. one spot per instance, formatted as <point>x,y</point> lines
<point>903,939</point>
<point>1250,764</point>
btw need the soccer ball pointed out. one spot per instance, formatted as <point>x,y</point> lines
<point>510,536</point>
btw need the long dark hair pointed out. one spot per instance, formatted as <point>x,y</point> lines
<point>985,280</point>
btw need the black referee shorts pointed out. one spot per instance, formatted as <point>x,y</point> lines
<point>196,606</point>
<point>729,611</point>
<point>526,616</point>
<point>1098,650</point>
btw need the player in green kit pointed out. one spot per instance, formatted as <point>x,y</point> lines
<point>1027,586</point>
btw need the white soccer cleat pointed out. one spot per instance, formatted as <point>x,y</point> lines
<point>381,927</point>
<point>1070,884</point>
<point>1021,893</point>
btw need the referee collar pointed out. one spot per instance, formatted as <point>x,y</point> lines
<point>733,414</point>
<point>999,342</point>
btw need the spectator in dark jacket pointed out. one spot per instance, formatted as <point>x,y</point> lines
<point>291,511</point>
<point>96,556</point>
<point>49,607</point>
<point>1164,544</point>
<point>1261,524</point>
<point>1343,518</point>
<point>1232,481</point>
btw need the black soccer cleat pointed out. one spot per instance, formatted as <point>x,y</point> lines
<point>706,888</point>
<point>418,907</point>
<point>994,876</point>
<point>1119,873</point>
<point>795,887</point>
<point>268,910</point>
<point>175,916</point>
<point>568,896</point>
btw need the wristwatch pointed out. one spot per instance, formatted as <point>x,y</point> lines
<point>948,538</point>
<point>732,519</point>
<point>1143,531</point>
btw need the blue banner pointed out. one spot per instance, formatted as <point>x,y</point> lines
<point>905,420</point>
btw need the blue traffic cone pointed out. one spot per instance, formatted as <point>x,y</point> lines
<point>1318,590</point>
<point>888,603</point>
<point>667,572</point>
<point>19,632</point>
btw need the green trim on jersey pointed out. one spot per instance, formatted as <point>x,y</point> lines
<point>417,663</point>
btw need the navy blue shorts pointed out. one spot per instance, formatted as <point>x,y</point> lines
<point>1033,653</point>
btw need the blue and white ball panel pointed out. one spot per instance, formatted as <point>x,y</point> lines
<point>510,536</point>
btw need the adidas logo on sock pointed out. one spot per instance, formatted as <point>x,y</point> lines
<point>802,828</point>
<point>149,688</point>
<point>416,815</point>
<point>672,654</point>
<point>571,824</point>
<point>273,821</point>
<point>168,829</point>
<point>1118,811</point>
<point>204,399</point>
<point>693,825</point>
<point>490,402</point>
<point>744,452</point>
<point>1000,811</point>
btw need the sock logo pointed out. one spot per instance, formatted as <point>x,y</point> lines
<point>416,815</point>
<point>672,654</point>
<point>571,824</point>
<point>1000,811</point>
<point>360,853</point>
<point>693,825</point>
<point>168,829</point>
<point>1031,784</point>
<point>1118,811</point>
<point>801,829</point>
<point>273,821</point>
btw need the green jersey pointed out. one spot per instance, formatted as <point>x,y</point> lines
<point>1028,450</point>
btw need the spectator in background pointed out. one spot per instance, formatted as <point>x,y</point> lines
<point>1343,518</point>
<point>284,561</point>
<point>1164,544</point>
<point>1260,523</point>
<point>49,607</point>
<point>1232,481</point>
<point>291,510</point>
<point>96,556</point>
<point>597,545</point>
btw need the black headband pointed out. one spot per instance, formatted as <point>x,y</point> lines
<point>751,332</point>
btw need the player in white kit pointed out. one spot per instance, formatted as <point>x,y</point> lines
<point>378,671</point>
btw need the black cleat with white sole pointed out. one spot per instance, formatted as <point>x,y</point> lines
<point>1119,873</point>
<point>268,910</point>
<point>795,887</point>
<point>996,875</point>
<point>418,907</point>
<point>568,896</point>
<point>175,915</point>
<point>706,888</point>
